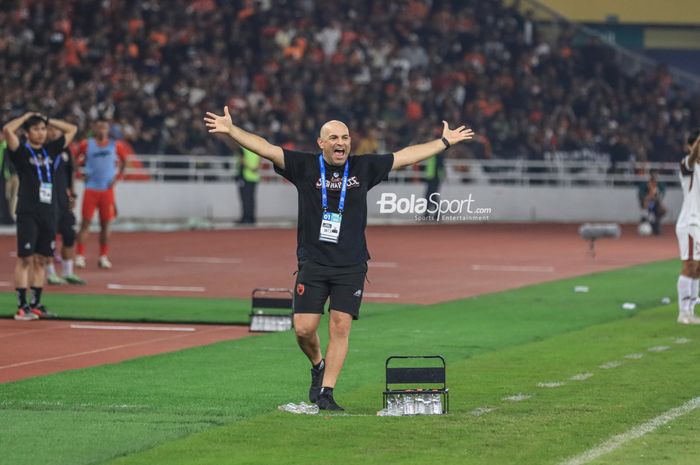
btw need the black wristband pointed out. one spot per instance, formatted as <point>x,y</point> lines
<point>447,144</point>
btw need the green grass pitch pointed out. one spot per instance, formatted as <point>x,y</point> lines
<point>217,404</point>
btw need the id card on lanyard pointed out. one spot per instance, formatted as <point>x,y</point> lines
<point>45,187</point>
<point>331,222</point>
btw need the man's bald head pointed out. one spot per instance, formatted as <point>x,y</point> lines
<point>333,126</point>
<point>334,141</point>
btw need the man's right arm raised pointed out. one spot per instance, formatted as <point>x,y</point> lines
<point>218,124</point>
<point>10,130</point>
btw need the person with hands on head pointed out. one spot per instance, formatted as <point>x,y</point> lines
<point>37,210</point>
<point>64,170</point>
<point>688,233</point>
<point>332,251</point>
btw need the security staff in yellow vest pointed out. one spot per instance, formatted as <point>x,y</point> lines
<point>433,175</point>
<point>248,179</point>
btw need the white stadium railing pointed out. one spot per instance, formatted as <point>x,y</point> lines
<point>553,172</point>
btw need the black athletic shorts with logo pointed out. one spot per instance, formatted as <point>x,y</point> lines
<point>66,227</point>
<point>36,234</point>
<point>316,283</point>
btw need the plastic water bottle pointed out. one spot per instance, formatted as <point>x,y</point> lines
<point>394,407</point>
<point>301,408</point>
<point>409,406</point>
<point>437,404</point>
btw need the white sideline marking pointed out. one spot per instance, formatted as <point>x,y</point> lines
<point>682,340</point>
<point>382,264</point>
<point>636,356</point>
<point>477,412</point>
<point>619,440</point>
<point>581,377</point>
<point>104,349</point>
<point>381,295</point>
<point>610,365</point>
<point>4,283</point>
<point>132,328</point>
<point>658,348</point>
<point>58,403</point>
<point>13,254</point>
<point>517,398</point>
<point>129,287</point>
<point>525,269</point>
<point>553,384</point>
<point>214,260</point>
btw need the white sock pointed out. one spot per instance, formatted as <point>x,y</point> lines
<point>685,294</point>
<point>694,295</point>
<point>68,267</point>
<point>50,269</point>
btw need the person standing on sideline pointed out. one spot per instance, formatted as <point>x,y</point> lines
<point>11,180</point>
<point>331,246</point>
<point>688,232</point>
<point>104,161</point>
<point>65,196</point>
<point>37,207</point>
<point>248,179</point>
<point>434,172</point>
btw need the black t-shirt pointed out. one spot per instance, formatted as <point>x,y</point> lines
<point>63,178</point>
<point>365,172</point>
<point>25,164</point>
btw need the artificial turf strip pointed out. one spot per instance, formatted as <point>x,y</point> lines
<point>240,382</point>
<point>151,309</point>
<point>138,308</point>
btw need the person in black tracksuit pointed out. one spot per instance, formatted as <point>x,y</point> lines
<point>37,206</point>
<point>65,193</point>
<point>332,251</point>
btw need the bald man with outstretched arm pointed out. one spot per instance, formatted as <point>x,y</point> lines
<point>332,251</point>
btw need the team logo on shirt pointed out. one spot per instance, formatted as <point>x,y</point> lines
<point>336,182</point>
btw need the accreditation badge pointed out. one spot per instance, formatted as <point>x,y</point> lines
<point>330,227</point>
<point>45,192</point>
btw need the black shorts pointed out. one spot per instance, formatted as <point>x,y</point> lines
<point>66,227</point>
<point>36,234</point>
<point>316,283</point>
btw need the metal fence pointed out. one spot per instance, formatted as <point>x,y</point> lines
<point>552,172</point>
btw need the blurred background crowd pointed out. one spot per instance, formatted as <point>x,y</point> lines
<point>391,69</point>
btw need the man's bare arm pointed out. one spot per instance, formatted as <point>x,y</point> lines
<point>69,130</point>
<point>224,125</point>
<point>694,153</point>
<point>10,130</point>
<point>417,153</point>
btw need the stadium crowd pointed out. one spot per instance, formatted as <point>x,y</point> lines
<point>391,69</point>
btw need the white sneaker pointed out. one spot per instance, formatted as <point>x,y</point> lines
<point>688,319</point>
<point>80,261</point>
<point>104,262</point>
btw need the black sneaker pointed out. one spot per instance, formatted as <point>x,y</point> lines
<point>326,402</point>
<point>316,380</point>
<point>42,312</point>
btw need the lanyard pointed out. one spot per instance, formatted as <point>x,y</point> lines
<point>47,163</point>
<point>324,191</point>
<point>57,162</point>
